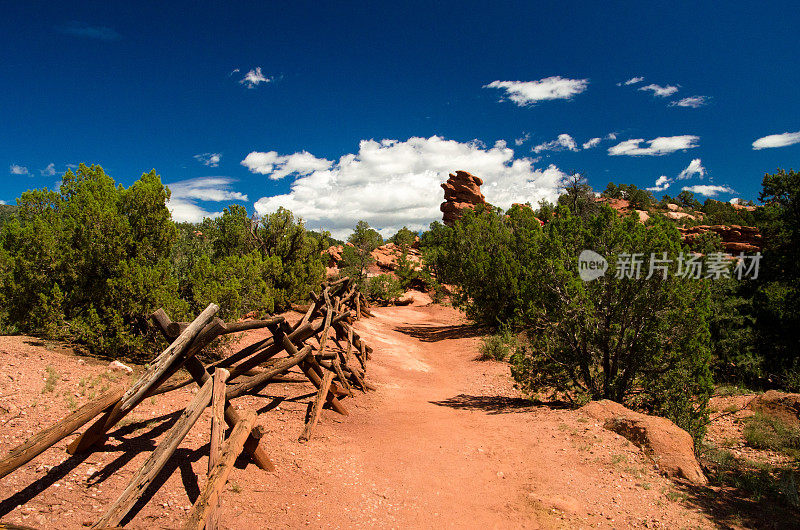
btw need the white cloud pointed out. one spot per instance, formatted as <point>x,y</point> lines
<point>594,142</point>
<point>695,167</point>
<point>525,93</point>
<point>662,145</point>
<point>633,81</point>
<point>18,170</point>
<point>777,140</point>
<point>186,193</point>
<point>693,102</point>
<point>49,171</point>
<point>662,183</point>
<point>3,202</point>
<point>708,190</point>
<point>277,166</point>
<point>661,91</point>
<point>209,159</point>
<point>611,136</point>
<point>254,77</point>
<point>392,183</point>
<point>215,189</point>
<point>564,141</point>
<point>521,140</point>
<point>189,212</point>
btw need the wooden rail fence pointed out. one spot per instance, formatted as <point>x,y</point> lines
<point>334,372</point>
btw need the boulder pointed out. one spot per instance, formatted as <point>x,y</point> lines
<point>334,254</point>
<point>670,447</point>
<point>679,215</point>
<point>462,190</point>
<point>388,256</point>
<point>672,207</point>
<point>781,405</point>
<point>643,216</point>
<point>116,366</point>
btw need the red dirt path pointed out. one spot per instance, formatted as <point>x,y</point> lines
<point>444,441</point>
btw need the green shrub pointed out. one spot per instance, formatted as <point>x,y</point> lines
<point>384,288</point>
<point>487,256</point>
<point>357,256</point>
<point>760,481</point>
<point>91,261</point>
<point>642,342</point>
<point>767,432</point>
<point>498,347</point>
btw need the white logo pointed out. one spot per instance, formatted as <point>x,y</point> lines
<point>591,265</point>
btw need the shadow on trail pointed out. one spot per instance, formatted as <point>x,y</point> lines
<point>497,404</point>
<point>730,508</point>
<point>141,443</point>
<point>437,333</point>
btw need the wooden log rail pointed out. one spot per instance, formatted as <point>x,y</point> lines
<point>335,367</point>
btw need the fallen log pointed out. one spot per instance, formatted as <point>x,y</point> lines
<point>209,497</point>
<point>253,445</point>
<point>263,378</point>
<point>217,432</point>
<point>157,459</point>
<point>151,379</point>
<point>316,409</point>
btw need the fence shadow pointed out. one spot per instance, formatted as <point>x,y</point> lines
<point>437,333</point>
<point>497,404</point>
<point>730,508</point>
<point>55,474</point>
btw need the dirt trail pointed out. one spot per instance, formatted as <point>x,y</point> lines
<point>444,441</point>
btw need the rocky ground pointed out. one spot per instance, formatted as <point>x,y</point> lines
<point>444,441</point>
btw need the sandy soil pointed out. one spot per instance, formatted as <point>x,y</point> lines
<point>444,441</point>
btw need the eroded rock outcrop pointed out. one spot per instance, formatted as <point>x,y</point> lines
<point>462,190</point>
<point>386,257</point>
<point>670,447</point>
<point>735,238</point>
<point>781,405</point>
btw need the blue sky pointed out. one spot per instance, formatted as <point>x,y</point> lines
<point>343,111</point>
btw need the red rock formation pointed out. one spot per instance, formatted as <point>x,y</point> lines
<point>334,254</point>
<point>670,447</point>
<point>738,206</point>
<point>735,238</point>
<point>462,190</point>
<point>785,407</point>
<point>386,257</point>
<point>620,205</point>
